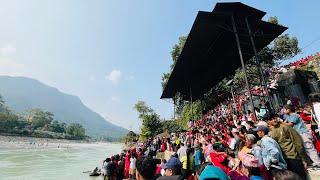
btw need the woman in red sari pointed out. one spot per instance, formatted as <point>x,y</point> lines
<point>127,164</point>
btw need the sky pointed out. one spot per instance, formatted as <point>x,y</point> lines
<point>112,53</point>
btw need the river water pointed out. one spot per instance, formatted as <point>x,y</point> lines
<point>66,163</point>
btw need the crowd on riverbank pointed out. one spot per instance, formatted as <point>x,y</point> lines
<point>227,143</point>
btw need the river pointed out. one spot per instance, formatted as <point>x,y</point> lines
<point>64,163</point>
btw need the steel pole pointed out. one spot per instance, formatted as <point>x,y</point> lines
<point>174,108</point>
<point>234,109</point>
<point>191,103</point>
<point>201,108</point>
<point>234,102</point>
<point>242,63</point>
<point>264,84</point>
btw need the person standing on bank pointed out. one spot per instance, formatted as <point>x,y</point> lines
<point>292,119</point>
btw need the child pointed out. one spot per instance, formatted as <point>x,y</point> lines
<point>133,160</point>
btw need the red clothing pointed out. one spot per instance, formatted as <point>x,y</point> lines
<point>132,150</point>
<point>316,142</point>
<point>217,159</point>
<point>305,117</point>
<point>163,147</point>
<point>191,177</point>
<point>127,164</point>
<point>265,173</point>
<point>158,170</point>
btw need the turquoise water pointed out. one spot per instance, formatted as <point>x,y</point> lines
<point>54,163</point>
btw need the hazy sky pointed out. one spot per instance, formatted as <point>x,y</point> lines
<point>112,53</point>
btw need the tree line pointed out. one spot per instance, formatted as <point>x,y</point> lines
<point>152,124</point>
<point>37,123</point>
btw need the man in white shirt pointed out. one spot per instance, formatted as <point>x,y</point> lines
<point>182,151</point>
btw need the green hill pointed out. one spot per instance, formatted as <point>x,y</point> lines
<point>21,94</point>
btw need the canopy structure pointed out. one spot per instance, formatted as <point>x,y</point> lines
<point>218,43</point>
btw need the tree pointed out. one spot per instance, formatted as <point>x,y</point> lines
<point>190,112</point>
<point>37,123</point>
<point>285,47</point>
<point>171,126</point>
<point>3,107</point>
<point>131,137</point>
<point>57,127</point>
<point>2,103</point>
<point>9,121</point>
<point>164,79</point>
<point>273,20</point>
<point>76,130</point>
<point>177,49</point>
<point>175,53</point>
<point>39,118</point>
<point>142,108</point>
<point>151,124</point>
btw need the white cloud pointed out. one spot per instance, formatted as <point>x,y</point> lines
<point>8,65</point>
<point>114,76</point>
<point>114,99</point>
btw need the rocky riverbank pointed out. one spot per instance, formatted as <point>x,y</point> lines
<point>17,142</point>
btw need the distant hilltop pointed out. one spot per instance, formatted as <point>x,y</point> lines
<point>21,94</point>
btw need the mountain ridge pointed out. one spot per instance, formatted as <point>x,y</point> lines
<point>23,93</point>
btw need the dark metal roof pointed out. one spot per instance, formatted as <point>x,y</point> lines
<point>210,52</point>
<point>240,9</point>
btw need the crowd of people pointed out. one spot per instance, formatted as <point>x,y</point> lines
<point>229,144</point>
<point>303,61</point>
<point>287,71</point>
